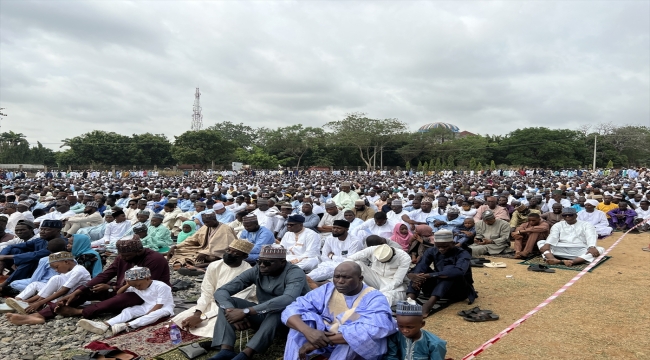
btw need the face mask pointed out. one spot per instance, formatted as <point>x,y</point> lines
<point>230,259</point>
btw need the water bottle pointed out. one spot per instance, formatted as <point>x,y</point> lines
<point>175,334</point>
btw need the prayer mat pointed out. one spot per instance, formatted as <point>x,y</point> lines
<point>507,256</point>
<point>275,352</point>
<point>146,341</point>
<point>580,267</point>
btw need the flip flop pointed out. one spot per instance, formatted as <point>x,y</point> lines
<point>540,268</point>
<point>474,263</point>
<point>481,317</point>
<point>481,260</point>
<point>496,265</point>
<point>646,248</point>
<point>474,310</point>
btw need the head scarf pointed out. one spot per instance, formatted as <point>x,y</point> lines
<point>80,246</point>
<point>403,240</point>
<point>424,230</point>
<point>183,235</point>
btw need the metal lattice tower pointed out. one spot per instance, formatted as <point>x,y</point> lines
<point>197,117</point>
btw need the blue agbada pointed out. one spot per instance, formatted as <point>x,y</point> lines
<point>81,246</point>
<point>428,347</point>
<point>26,257</point>
<point>365,321</point>
<point>259,238</point>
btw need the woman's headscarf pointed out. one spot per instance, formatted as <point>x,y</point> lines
<point>424,230</point>
<point>183,235</point>
<point>80,246</point>
<point>403,240</point>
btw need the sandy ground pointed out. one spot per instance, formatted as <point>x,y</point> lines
<point>602,316</point>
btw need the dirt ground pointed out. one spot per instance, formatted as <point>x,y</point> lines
<point>602,316</point>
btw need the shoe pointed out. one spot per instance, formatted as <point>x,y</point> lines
<point>224,355</point>
<point>93,326</point>
<point>17,305</point>
<point>4,308</point>
<point>118,328</point>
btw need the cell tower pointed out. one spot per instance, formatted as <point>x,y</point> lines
<point>197,117</point>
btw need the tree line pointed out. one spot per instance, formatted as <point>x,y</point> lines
<point>355,141</point>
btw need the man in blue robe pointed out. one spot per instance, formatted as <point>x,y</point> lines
<point>258,235</point>
<point>343,319</point>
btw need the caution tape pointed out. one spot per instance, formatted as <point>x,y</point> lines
<point>539,307</point>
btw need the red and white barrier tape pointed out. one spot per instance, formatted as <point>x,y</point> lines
<point>539,307</point>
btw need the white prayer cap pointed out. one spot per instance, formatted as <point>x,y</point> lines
<point>218,206</point>
<point>383,253</point>
<point>592,202</point>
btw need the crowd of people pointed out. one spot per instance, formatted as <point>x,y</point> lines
<point>340,265</point>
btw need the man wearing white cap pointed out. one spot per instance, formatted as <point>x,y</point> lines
<point>224,215</point>
<point>345,198</point>
<point>388,268</point>
<point>595,217</point>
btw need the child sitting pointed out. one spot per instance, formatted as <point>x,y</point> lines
<point>43,271</point>
<point>38,294</point>
<point>411,342</point>
<point>464,234</point>
<point>158,303</point>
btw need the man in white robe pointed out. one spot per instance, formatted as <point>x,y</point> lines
<point>396,212</point>
<point>571,242</point>
<point>378,225</point>
<point>595,217</point>
<point>89,217</point>
<point>201,318</point>
<point>114,230</point>
<point>346,198</point>
<point>302,244</point>
<point>265,215</point>
<point>62,212</point>
<point>387,270</point>
<point>325,225</point>
<point>336,249</point>
<point>419,216</point>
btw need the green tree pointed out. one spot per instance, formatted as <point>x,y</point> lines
<point>419,166</point>
<point>257,158</point>
<point>202,147</point>
<point>100,147</point>
<point>14,148</point>
<point>472,164</point>
<point>438,165</point>
<point>242,135</point>
<point>408,166</point>
<point>450,162</point>
<point>479,166</point>
<point>610,165</point>
<point>543,147</point>
<point>425,167</point>
<point>493,166</point>
<point>293,142</point>
<point>150,149</point>
<point>367,135</point>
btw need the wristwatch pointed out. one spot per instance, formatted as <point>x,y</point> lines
<point>247,311</point>
<point>110,289</point>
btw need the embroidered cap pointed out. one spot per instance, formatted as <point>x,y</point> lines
<point>407,309</point>
<point>60,256</point>
<point>129,245</point>
<point>139,228</point>
<point>137,273</point>
<point>296,219</point>
<point>242,245</point>
<point>426,200</point>
<point>92,204</point>
<point>487,214</point>
<point>54,224</point>
<point>443,236</point>
<point>273,251</point>
<point>397,202</point>
<point>250,218</point>
<point>341,223</point>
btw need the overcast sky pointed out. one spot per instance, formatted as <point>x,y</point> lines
<point>69,67</point>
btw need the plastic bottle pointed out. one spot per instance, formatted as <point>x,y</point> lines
<point>175,334</point>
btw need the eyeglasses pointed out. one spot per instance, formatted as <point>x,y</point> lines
<point>266,263</point>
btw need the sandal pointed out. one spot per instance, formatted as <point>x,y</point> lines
<point>540,268</point>
<point>496,265</point>
<point>474,263</point>
<point>475,310</point>
<point>481,260</point>
<point>181,285</point>
<point>646,248</point>
<point>481,317</point>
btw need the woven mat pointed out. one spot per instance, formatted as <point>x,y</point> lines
<point>507,256</point>
<point>580,267</point>
<point>275,352</point>
<point>147,341</point>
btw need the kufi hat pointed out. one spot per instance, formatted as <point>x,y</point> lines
<point>143,212</point>
<point>342,223</point>
<point>200,203</point>
<point>10,205</point>
<point>359,202</point>
<point>242,245</point>
<point>209,216</point>
<point>108,212</point>
<point>443,236</point>
<point>296,219</point>
<point>407,309</point>
<point>329,205</point>
<point>157,216</point>
<point>129,245</point>
<point>34,197</point>
<point>383,253</point>
<point>62,202</point>
<point>568,210</point>
<point>54,224</point>
<point>487,214</point>
<point>249,218</point>
<point>592,202</point>
<point>426,200</point>
<point>262,201</point>
<point>286,206</point>
<point>27,223</point>
<point>60,256</point>
<point>346,183</point>
<point>140,227</point>
<point>273,251</point>
<point>397,202</point>
<point>218,206</point>
<point>137,273</point>
<point>92,204</point>
<point>453,210</point>
<point>118,212</point>
<point>596,197</point>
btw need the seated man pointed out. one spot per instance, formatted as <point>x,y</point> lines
<point>464,233</point>
<point>102,287</point>
<point>43,271</point>
<point>451,278</point>
<point>201,318</point>
<point>570,242</point>
<point>387,270</point>
<point>114,230</point>
<point>622,218</point>
<point>337,248</point>
<point>344,319</point>
<point>257,235</point>
<point>642,214</point>
<point>447,221</point>
<point>378,225</point>
<point>492,236</point>
<point>205,246</point>
<point>278,283</point>
<point>348,215</point>
<point>325,225</point>
<point>361,211</point>
<point>491,206</point>
<point>89,217</point>
<point>303,245</point>
<point>528,234</point>
<point>96,232</point>
<point>159,235</point>
<point>554,216</point>
<point>596,218</point>
<point>25,256</point>
<point>520,216</point>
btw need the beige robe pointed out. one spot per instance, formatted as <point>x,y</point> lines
<point>170,218</point>
<point>187,251</point>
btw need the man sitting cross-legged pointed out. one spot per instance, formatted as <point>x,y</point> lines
<point>451,277</point>
<point>595,217</point>
<point>571,242</point>
<point>343,319</point>
<point>528,234</point>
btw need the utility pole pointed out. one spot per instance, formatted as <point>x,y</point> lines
<point>374,159</point>
<point>594,165</point>
<point>381,158</point>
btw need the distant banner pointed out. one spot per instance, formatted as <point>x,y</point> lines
<point>236,166</point>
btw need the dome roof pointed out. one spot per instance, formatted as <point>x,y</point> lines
<point>436,125</point>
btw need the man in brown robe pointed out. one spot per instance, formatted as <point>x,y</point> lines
<point>205,246</point>
<point>528,234</point>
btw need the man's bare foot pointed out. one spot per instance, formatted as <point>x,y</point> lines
<point>65,310</point>
<point>518,255</point>
<point>567,262</point>
<point>18,319</point>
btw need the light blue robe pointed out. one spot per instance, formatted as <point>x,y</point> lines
<point>451,224</point>
<point>428,346</point>
<point>366,335</point>
<point>43,273</point>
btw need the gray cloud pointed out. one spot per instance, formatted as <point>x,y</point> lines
<point>489,67</point>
